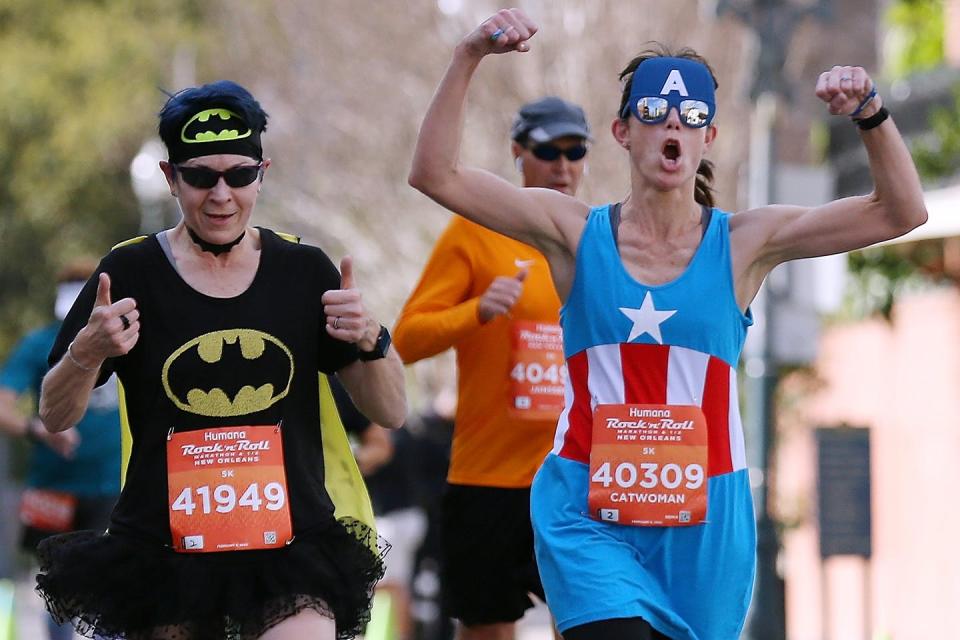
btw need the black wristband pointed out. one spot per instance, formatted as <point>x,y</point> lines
<point>875,120</point>
<point>380,347</point>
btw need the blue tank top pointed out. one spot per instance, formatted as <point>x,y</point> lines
<point>676,343</point>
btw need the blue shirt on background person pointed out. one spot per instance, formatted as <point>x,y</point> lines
<point>93,470</point>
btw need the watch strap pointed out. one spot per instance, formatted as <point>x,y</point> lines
<point>380,347</point>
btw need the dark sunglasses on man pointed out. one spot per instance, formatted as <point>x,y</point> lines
<point>550,152</point>
<point>207,178</point>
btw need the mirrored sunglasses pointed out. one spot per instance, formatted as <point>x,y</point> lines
<point>653,109</point>
<point>550,152</point>
<point>207,178</point>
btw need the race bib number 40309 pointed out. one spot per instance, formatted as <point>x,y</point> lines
<point>227,489</point>
<point>648,465</point>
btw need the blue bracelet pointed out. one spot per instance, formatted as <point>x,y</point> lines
<point>865,102</point>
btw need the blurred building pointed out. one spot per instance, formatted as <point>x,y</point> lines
<point>898,378</point>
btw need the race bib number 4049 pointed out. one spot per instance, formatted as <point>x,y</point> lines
<point>648,465</point>
<point>538,371</point>
<point>227,490</point>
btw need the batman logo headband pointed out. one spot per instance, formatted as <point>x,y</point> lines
<point>213,131</point>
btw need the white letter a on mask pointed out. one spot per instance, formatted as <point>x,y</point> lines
<point>674,83</point>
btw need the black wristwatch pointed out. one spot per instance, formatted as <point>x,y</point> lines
<point>380,347</point>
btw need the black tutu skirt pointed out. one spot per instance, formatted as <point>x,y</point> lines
<point>118,587</point>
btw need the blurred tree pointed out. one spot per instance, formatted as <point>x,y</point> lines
<point>878,275</point>
<point>938,154</point>
<point>79,80</point>
<point>915,36</point>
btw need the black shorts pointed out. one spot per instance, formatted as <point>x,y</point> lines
<point>633,628</point>
<point>489,568</point>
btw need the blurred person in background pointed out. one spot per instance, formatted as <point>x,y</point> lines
<point>389,460</point>
<point>434,435</point>
<point>492,299</point>
<point>656,291</point>
<point>73,477</point>
<point>220,334</point>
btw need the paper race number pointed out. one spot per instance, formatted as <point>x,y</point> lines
<point>224,496</point>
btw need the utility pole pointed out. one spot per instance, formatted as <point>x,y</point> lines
<point>773,22</point>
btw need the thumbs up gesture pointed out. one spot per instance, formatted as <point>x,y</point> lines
<point>347,318</point>
<point>112,330</point>
<point>501,295</point>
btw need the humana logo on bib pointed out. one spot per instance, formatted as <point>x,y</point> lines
<point>648,465</point>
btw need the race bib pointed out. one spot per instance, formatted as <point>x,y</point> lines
<point>538,371</point>
<point>48,510</point>
<point>227,490</point>
<point>648,465</point>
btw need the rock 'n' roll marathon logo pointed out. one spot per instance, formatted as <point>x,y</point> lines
<point>261,365</point>
<point>649,424</point>
<point>214,125</point>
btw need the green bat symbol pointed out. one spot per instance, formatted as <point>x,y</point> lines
<point>212,125</point>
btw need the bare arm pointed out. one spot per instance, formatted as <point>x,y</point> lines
<point>15,423</point>
<point>12,420</point>
<point>66,388</point>
<point>377,388</point>
<point>376,449</point>
<point>768,236</point>
<point>546,219</point>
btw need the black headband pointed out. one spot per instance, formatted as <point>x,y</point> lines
<point>213,131</point>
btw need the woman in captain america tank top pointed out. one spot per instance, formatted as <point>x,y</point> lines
<point>642,511</point>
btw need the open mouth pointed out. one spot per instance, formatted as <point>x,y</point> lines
<point>671,150</point>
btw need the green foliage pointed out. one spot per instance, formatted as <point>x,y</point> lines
<point>79,80</point>
<point>917,32</point>
<point>879,274</point>
<point>937,155</point>
<point>875,275</point>
<point>916,43</point>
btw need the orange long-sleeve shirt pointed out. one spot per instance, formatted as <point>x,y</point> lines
<point>491,447</point>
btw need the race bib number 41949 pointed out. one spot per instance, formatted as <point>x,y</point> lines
<point>227,489</point>
<point>648,465</point>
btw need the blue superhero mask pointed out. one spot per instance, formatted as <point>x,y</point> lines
<point>661,84</point>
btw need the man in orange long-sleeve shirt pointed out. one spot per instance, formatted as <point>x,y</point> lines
<point>492,299</point>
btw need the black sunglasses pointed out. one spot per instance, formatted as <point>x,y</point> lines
<point>550,152</point>
<point>207,178</point>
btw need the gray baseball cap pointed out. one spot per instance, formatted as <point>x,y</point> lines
<point>547,119</point>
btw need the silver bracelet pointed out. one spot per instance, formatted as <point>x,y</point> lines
<point>74,360</point>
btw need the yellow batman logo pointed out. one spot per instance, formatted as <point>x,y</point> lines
<point>252,371</point>
<point>214,125</point>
